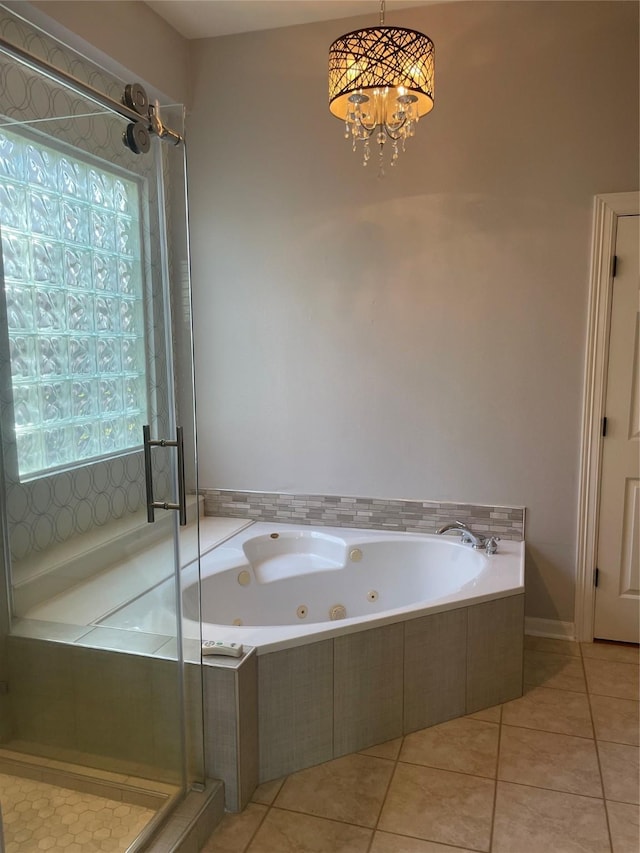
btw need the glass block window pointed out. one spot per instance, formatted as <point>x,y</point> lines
<point>73,280</point>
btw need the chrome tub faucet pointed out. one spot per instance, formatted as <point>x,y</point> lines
<point>468,537</point>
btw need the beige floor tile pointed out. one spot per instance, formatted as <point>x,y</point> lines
<point>235,831</point>
<point>546,644</point>
<point>350,789</point>
<point>531,820</point>
<point>611,651</point>
<point>287,832</point>
<point>487,715</point>
<point>611,678</point>
<point>550,710</point>
<point>437,805</point>
<point>389,749</point>
<point>620,766</point>
<point>267,792</point>
<point>563,672</point>
<point>624,825</point>
<point>463,745</point>
<point>616,719</point>
<point>549,760</point>
<point>386,842</point>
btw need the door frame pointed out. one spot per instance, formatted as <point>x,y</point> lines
<point>606,210</point>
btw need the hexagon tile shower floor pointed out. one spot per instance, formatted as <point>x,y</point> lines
<point>38,816</point>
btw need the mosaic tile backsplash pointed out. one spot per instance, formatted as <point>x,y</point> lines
<point>369,513</point>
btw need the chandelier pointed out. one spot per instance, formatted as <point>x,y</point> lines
<point>380,84</point>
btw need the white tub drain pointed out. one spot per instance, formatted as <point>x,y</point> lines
<point>302,611</point>
<point>372,595</point>
<point>338,611</point>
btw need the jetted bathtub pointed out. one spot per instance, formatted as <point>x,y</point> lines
<point>275,586</point>
<point>352,638</point>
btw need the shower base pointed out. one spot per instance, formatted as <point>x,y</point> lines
<point>51,805</point>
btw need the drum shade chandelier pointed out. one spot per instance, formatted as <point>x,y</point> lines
<point>380,84</point>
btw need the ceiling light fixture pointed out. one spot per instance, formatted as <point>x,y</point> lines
<point>380,84</point>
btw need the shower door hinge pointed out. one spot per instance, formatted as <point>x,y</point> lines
<point>596,576</point>
<point>614,266</point>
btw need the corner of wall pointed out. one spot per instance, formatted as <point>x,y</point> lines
<point>112,40</point>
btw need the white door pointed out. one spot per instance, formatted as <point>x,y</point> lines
<point>617,606</point>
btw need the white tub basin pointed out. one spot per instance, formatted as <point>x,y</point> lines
<point>279,555</point>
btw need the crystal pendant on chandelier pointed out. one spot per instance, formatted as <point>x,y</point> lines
<point>380,84</point>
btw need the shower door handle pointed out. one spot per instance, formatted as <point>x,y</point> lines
<point>152,505</point>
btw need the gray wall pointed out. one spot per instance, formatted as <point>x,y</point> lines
<point>131,37</point>
<point>420,336</point>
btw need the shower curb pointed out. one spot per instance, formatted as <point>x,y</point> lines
<point>191,823</point>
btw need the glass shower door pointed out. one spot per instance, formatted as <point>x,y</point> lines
<point>95,328</point>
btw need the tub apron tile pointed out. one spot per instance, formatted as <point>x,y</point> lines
<point>435,669</point>
<point>295,715</point>
<point>368,688</point>
<point>495,642</point>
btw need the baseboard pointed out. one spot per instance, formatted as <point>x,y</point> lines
<point>536,627</point>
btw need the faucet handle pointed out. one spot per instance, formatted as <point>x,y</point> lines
<point>491,544</point>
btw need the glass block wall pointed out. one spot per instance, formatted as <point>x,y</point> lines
<point>72,266</point>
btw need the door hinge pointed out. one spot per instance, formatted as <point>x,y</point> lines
<point>614,266</point>
<point>596,576</point>
<point>604,427</point>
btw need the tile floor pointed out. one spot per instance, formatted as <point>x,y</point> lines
<point>38,816</point>
<point>554,772</point>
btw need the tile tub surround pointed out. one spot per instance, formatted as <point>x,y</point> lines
<point>411,516</point>
<point>437,800</point>
<point>326,699</point>
<point>231,726</point>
